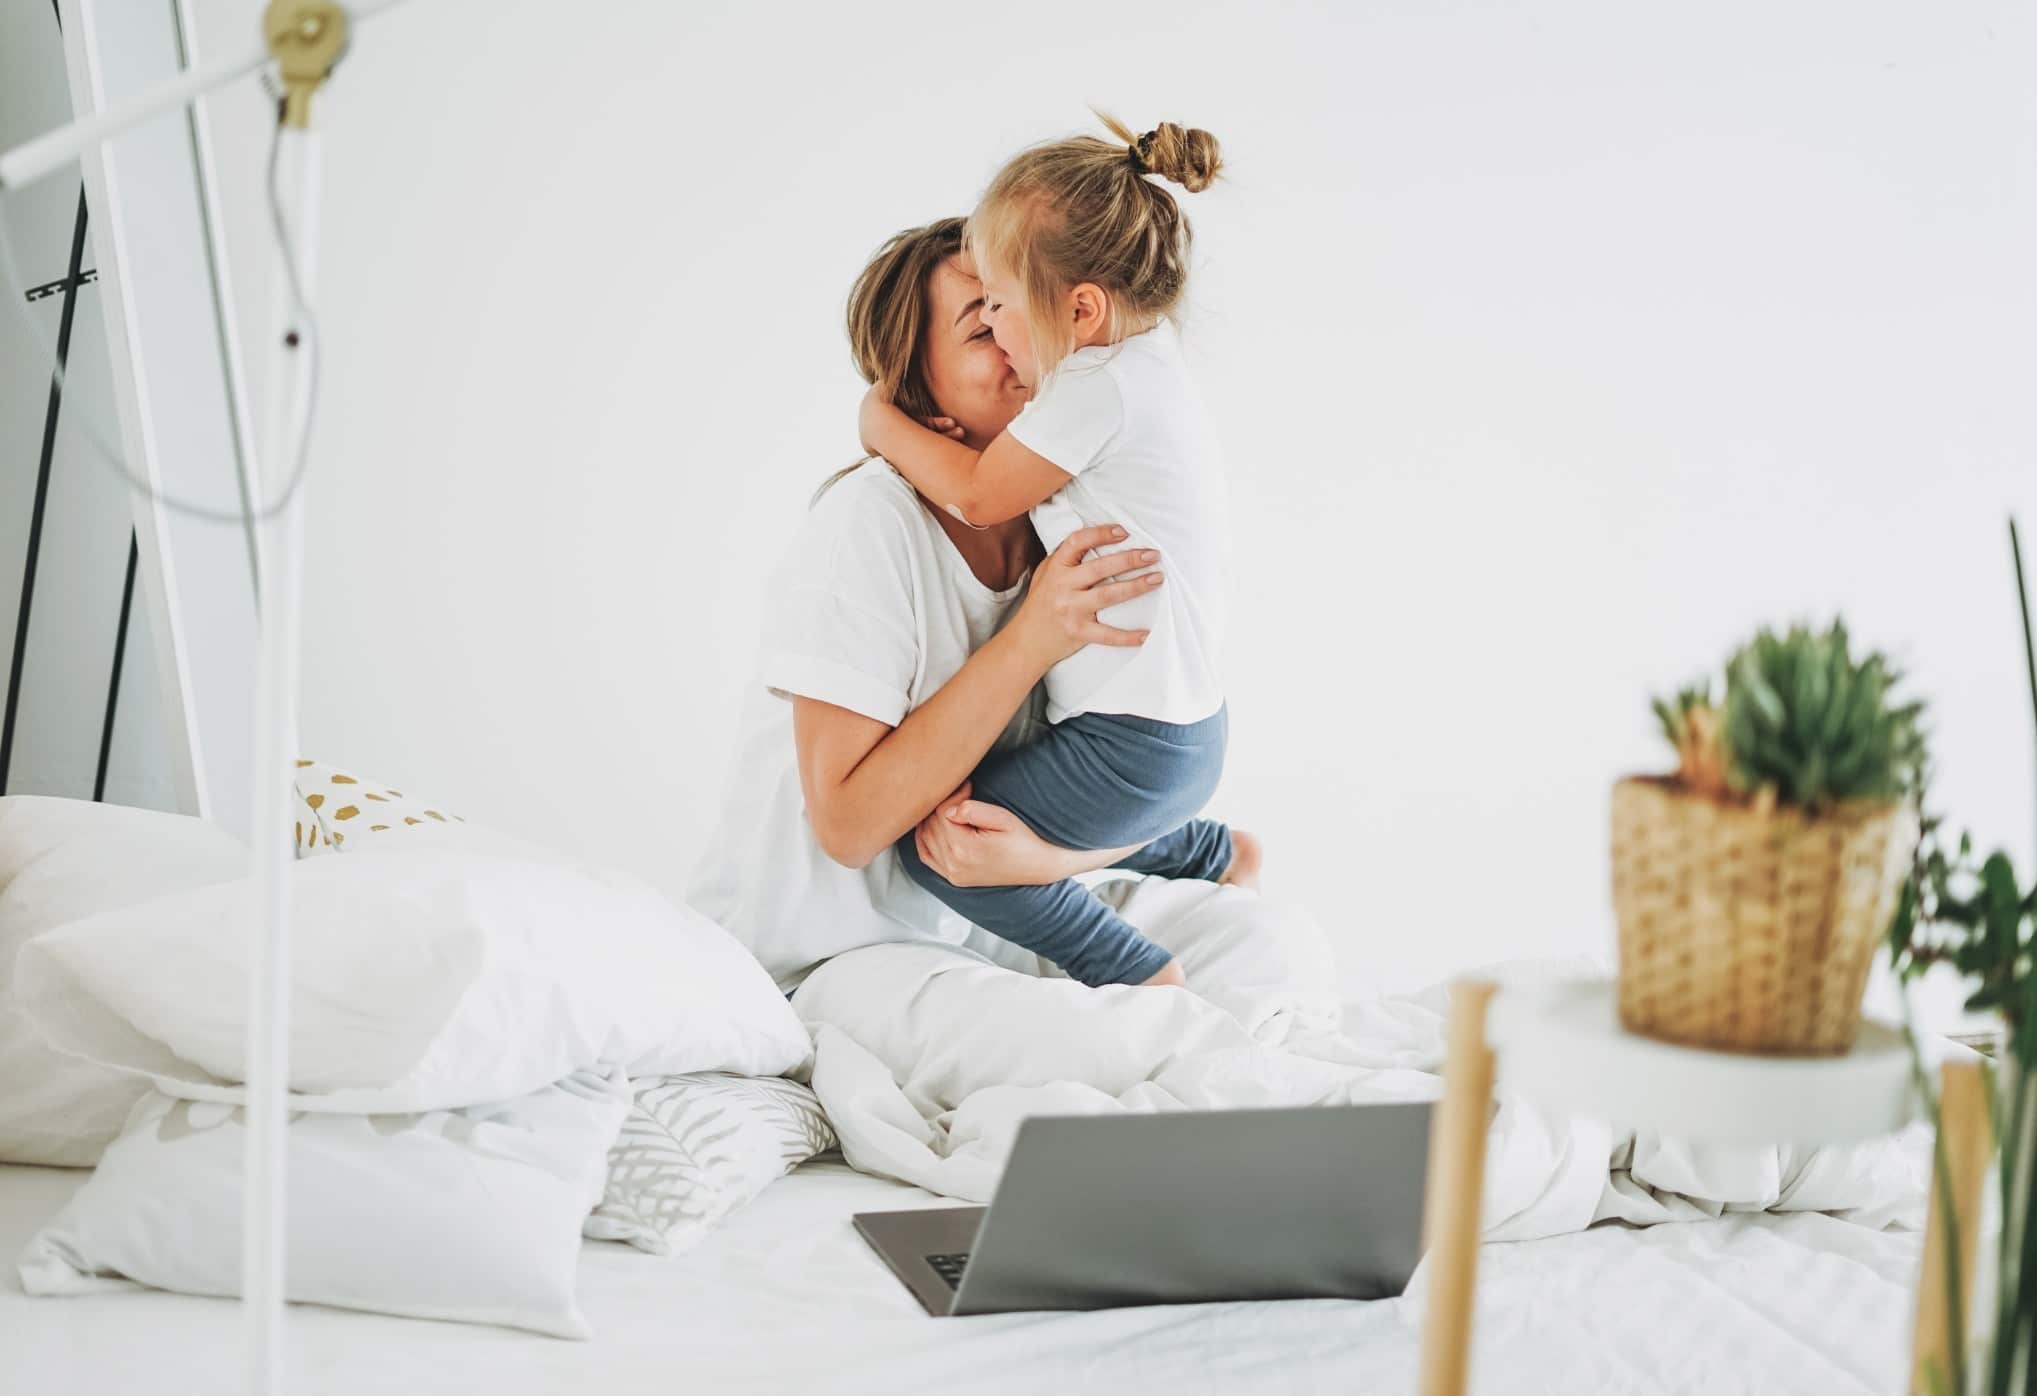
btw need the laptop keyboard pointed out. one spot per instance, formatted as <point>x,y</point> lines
<point>950,1267</point>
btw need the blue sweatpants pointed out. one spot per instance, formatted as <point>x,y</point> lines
<point>1100,780</point>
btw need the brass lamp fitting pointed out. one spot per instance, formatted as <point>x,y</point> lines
<point>308,38</point>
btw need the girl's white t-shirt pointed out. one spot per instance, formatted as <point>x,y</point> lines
<point>1127,422</point>
<point>872,610</point>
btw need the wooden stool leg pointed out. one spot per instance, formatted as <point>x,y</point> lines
<point>1456,1187</point>
<point>1963,1131</point>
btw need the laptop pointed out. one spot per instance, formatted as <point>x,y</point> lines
<point>1101,1211</point>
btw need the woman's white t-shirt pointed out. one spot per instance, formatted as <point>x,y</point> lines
<point>872,610</point>
<point>1126,421</point>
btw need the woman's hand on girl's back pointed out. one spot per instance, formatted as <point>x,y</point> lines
<point>1058,616</point>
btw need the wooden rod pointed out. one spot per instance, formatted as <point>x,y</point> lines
<point>1456,1188</point>
<point>1963,1130</point>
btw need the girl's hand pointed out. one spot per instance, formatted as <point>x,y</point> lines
<point>1058,616</point>
<point>945,426</point>
<point>977,845</point>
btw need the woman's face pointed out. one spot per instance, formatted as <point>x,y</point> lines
<point>968,375</point>
<point>1004,311</point>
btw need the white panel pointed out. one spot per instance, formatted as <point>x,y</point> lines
<point>79,576</point>
<point>180,413</point>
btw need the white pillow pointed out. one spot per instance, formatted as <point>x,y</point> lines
<point>61,861</point>
<point>471,1215</point>
<point>422,979</point>
<point>695,1148</point>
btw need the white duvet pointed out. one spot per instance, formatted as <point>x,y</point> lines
<point>927,1059</point>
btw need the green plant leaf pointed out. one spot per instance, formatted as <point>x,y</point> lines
<point>1902,926</point>
<point>1982,999</point>
<point>2024,1040</point>
<point>2001,904</point>
<point>1763,696</point>
<point>1672,721</point>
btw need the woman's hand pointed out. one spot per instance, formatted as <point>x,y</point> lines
<point>1058,616</point>
<point>977,845</point>
<point>973,844</point>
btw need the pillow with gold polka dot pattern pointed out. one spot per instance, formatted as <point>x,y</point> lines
<point>337,811</point>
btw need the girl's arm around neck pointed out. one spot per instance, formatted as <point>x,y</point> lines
<point>982,488</point>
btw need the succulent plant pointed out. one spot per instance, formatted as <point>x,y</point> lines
<point>1806,719</point>
<point>1692,725</point>
<point>1802,722</point>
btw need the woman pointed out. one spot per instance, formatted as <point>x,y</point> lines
<point>901,646</point>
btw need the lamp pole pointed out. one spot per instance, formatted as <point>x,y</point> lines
<point>307,38</point>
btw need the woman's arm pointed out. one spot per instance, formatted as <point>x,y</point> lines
<point>866,783</point>
<point>981,488</point>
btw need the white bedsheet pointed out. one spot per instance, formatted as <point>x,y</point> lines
<point>786,1299</point>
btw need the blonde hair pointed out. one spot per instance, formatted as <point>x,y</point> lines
<point>1082,210</point>
<point>887,316</point>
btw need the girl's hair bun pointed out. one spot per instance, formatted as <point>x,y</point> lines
<point>1185,155</point>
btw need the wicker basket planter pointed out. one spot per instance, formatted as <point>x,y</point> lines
<point>1748,930</point>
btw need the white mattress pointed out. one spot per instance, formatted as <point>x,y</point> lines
<point>785,1298</point>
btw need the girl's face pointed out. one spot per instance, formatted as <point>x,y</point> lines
<point>1004,310</point>
<point>967,372</point>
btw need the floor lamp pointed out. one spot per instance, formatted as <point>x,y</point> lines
<point>303,39</point>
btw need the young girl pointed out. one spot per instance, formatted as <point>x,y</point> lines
<point>1083,258</point>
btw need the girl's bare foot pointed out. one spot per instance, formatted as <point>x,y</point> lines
<point>1247,853</point>
<point>1170,973</point>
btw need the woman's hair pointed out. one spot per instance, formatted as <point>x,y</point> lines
<point>1081,210</point>
<point>888,313</point>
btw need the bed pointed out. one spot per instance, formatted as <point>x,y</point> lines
<point>910,1045</point>
<point>784,1297</point>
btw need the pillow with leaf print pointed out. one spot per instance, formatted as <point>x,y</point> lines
<point>696,1147</point>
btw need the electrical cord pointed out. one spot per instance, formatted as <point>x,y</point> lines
<point>14,288</point>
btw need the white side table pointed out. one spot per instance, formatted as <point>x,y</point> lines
<point>1561,1046</point>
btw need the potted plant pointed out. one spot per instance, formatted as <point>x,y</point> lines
<point>1974,915</point>
<point>1753,887</point>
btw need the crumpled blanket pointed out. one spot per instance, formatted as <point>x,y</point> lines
<point>927,1059</point>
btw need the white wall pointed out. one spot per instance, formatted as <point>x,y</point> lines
<point>1555,346</point>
